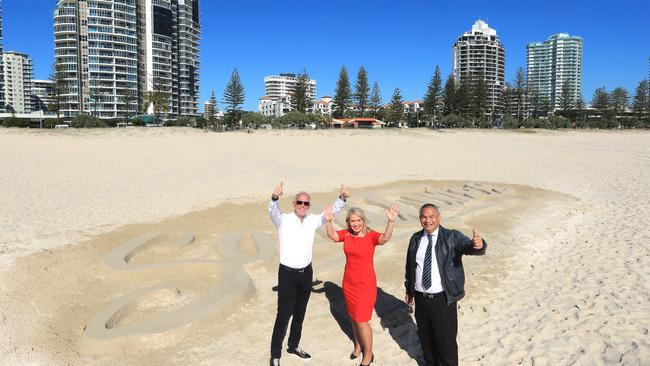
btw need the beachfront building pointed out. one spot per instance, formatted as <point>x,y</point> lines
<point>356,123</point>
<point>278,89</point>
<point>553,63</point>
<point>18,78</point>
<point>324,106</point>
<point>112,51</point>
<point>480,52</point>
<point>2,89</point>
<point>42,94</point>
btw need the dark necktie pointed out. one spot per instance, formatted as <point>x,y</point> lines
<point>426,271</point>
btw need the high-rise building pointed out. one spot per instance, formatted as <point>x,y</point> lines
<point>111,51</point>
<point>278,88</point>
<point>18,79</point>
<point>2,89</point>
<point>480,52</point>
<point>553,63</point>
<point>42,94</point>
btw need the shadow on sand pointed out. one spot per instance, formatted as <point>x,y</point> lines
<point>393,313</point>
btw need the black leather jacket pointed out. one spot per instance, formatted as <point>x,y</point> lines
<point>450,246</point>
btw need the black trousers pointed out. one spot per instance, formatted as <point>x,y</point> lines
<point>437,327</point>
<point>294,289</point>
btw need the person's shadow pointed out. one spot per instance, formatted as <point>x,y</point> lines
<point>393,313</point>
<point>334,295</point>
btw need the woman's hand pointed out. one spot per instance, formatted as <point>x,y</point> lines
<point>392,213</point>
<point>327,213</point>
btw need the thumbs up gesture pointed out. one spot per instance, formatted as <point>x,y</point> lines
<point>476,238</point>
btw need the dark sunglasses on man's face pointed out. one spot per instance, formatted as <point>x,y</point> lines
<point>304,203</point>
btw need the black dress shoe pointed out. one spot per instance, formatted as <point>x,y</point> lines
<point>298,352</point>
<point>274,362</point>
<point>371,361</point>
<point>353,356</point>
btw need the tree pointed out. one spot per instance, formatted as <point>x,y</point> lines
<point>362,90</point>
<point>640,102</point>
<point>601,102</point>
<point>396,106</point>
<point>449,96</point>
<point>463,96</point>
<point>479,94</point>
<point>565,100</point>
<point>95,95</point>
<point>432,98</point>
<point>59,89</point>
<point>300,93</point>
<point>343,95</point>
<point>520,94</point>
<point>158,98</point>
<point>211,110</point>
<point>233,98</point>
<point>128,97</point>
<point>619,100</point>
<point>375,100</point>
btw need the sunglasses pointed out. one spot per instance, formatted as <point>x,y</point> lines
<point>304,203</point>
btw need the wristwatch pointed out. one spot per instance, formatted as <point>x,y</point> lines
<point>274,197</point>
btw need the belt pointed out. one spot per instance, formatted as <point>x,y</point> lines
<point>430,296</point>
<point>289,269</point>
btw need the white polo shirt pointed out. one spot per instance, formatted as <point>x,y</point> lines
<point>297,237</point>
<point>436,284</point>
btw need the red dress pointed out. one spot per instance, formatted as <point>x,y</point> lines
<point>359,280</point>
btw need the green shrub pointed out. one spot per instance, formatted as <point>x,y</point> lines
<point>15,122</point>
<point>87,121</point>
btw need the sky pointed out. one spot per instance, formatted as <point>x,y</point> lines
<point>399,43</point>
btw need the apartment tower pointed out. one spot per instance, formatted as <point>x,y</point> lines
<point>112,53</point>
<point>18,78</point>
<point>553,63</point>
<point>480,52</point>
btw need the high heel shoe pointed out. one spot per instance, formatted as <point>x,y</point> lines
<point>371,361</point>
<point>353,356</point>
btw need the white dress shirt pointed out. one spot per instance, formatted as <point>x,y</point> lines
<point>297,237</point>
<point>436,284</point>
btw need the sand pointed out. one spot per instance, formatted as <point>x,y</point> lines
<point>152,246</point>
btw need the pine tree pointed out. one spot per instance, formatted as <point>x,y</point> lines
<point>640,102</point>
<point>520,94</point>
<point>463,98</point>
<point>233,97</point>
<point>566,101</point>
<point>600,101</point>
<point>396,106</point>
<point>479,94</point>
<point>59,88</point>
<point>619,100</point>
<point>375,99</point>
<point>343,95</point>
<point>449,96</point>
<point>300,93</point>
<point>432,98</point>
<point>362,90</point>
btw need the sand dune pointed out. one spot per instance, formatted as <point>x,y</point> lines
<point>152,246</point>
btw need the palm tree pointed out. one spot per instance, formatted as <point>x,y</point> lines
<point>158,99</point>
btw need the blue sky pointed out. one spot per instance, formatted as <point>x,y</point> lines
<point>399,43</point>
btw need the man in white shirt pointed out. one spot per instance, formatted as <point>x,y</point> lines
<point>435,279</point>
<point>296,231</point>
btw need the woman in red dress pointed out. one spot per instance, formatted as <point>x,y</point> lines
<point>359,280</point>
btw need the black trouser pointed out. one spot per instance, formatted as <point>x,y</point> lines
<point>294,289</point>
<point>437,328</point>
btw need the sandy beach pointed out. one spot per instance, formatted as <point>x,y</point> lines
<point>153,246</point>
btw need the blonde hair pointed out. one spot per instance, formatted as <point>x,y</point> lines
<point>359,212</point>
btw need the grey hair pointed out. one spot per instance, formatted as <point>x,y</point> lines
<point>302,192</point>
<point>430,205</point>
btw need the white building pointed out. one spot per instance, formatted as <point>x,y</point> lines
<point>42,94</point>
<point>278,89</point>
<point>553,63</point>
<point>18,78</point>
<point>479,51</point>
<point>323,106</point>
<point>109,50</point>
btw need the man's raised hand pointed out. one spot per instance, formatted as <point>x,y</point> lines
<point>278,190</point>
<point>344,194</point>
<point>478,242</point>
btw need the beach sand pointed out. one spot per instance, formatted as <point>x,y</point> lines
<point>153,246</point>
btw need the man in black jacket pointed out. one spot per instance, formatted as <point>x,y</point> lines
<point>435,280</point>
